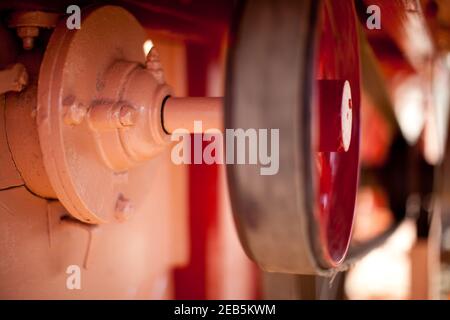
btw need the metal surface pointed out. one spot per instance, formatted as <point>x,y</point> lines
<point>337,174</point>
<point>299,220</point>
<point>101,65</point>
<point>9,175</point>
<point>40,240</point>
<point>23,140</point>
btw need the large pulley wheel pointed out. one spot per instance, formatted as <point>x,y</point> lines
<point>294,66</point>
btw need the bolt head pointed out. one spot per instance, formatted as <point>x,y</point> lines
<point>21,77</point>
<point>127,116</point>
<point>124,208</point>
<point>75,111</point>
<point>153,59</point>
<point>153,64</point>
<point>27,34</point>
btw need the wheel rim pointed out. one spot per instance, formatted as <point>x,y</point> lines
<point>337,172</point>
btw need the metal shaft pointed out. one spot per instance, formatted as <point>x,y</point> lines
<point>183,112</point>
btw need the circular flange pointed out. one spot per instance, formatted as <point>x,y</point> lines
<point>71,78</point>
<point>300,219</point>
